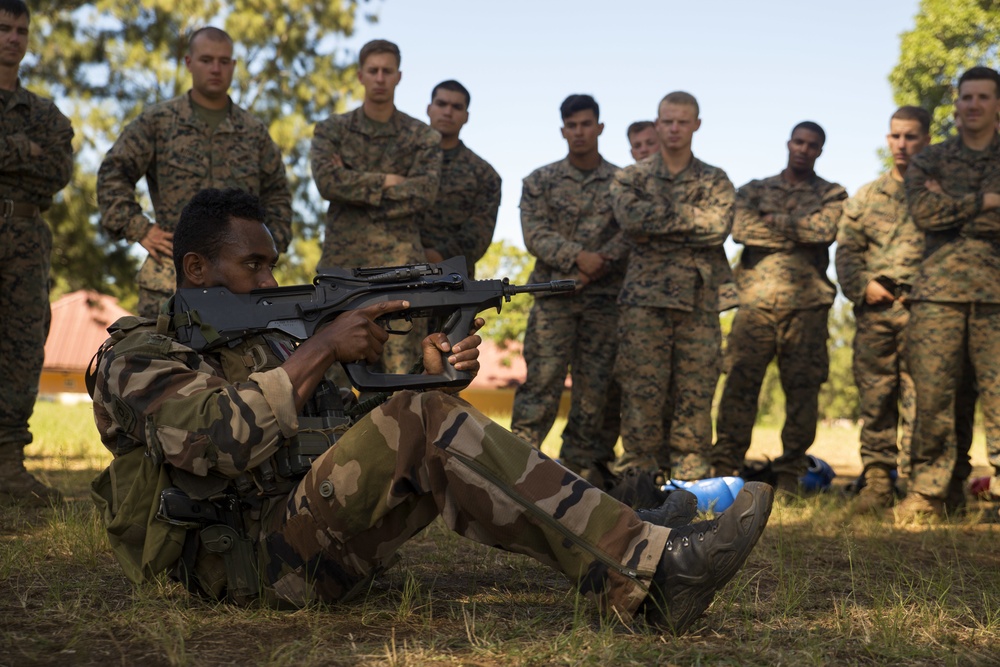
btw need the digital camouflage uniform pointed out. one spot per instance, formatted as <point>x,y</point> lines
<point>416,457</point>
<point>564,211</point>
<point>180,155</point>
<point>27,185</point>
<point>955,313</point>
<point>669,334</point>
<point>464,215</point>
<point>785,297</point>
<point>878,240</point>
<point>367,225</point>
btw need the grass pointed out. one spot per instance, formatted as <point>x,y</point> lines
<point>822,588</point>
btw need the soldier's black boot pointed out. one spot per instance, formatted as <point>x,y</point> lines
<point>702,557</point>
<point>679,509</point>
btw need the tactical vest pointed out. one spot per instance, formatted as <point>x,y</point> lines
<point>205,527</point>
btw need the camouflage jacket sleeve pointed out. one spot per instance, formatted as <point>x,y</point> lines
<point>275,196</point>
<point>127,161</point>
<point>933,212</point>
<point>541,237</point>
<point>763,219</point>
<point>420,188</point>
<point>852,246</point>
<point>164,396</point>
<point>647,210</point>
<point>473,237</point>
<point>23,176</point>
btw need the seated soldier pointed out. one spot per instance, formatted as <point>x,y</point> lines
<point>218,427</point>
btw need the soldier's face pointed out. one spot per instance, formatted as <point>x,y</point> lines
<point>804,148</point>
<point>245,262</point>
<point>644,143</point>
<point>447,112</point>
<point>977,105</point>
<point>13,39</point>
<point>211,65</point>
<point>380,75</point>
<point>906,138</point>
<point>676,125</point>
<point>580,131</point>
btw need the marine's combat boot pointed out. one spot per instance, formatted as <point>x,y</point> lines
<point>916,506</point>
<point>17,485</point>
<point>679,509</point>
<point>954,499</point>
<point>702,557</point>
<point>877,494</point>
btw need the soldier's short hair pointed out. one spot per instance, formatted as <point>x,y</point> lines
<point>577,103</point>
<point>981,74</point>
<point>15,8</point>
<point>455,87</point>
<point>918,114</point>
<point>379,46</point>
<point>210,33</point>
<point>812,127</point>
<point>637,127</point>
<point>204,223</point>
<point>680,98</point>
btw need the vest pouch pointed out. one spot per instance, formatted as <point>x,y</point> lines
<point>127,495</point>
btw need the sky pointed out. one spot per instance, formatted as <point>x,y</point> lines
<point>757,69</point>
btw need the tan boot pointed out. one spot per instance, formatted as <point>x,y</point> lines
<point>877,494</point>
<point>17,485</point>
<point>916,507</point>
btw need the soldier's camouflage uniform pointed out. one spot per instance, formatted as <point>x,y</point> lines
<point>27,185</point>
<point>564,211</point>
<point>464,215</point>
<point>785,297</point>
<point>669,335</point>
<point>878,239</point>
<point>955,313</point>
<point>180,155</point>
<point>367,225</point>
<point>418,456</point>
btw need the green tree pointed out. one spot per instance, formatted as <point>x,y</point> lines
<point>506,260</point>
<point>948,37</point>
<point>105,61</point>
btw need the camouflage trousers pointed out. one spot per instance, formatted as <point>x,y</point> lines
<point>885,389</point>
<point>151,302</point>
<point>25,248</point>
<point>798,339</point>
<point>944,340</point>
<point>424,455</point>
<point>668,367</point>
<point>575,333</point>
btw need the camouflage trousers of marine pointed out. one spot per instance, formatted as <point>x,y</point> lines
<point>798,339</point>
<point>25,249</point>
<point>151,302</point>
<point>948,343</point>
<point>885,388</point>
<point>424,455</point>
<point>575,332</point>
<point>668,367</point>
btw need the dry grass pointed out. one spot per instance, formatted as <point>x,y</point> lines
<point>820,589</point>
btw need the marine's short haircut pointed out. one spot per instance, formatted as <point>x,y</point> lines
<point>679,97</point>
<point>379,46</point>
<point>812,127</point>
<point>15,8</point>
<point>204,223</point>
<point>577,103</point>
<point>637,127</point>
<point>455,87</point>
<point>210,33</point>
<point>981,74</point>
<point>918,114</point>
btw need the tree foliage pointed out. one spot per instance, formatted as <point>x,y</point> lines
<point>948,37</point>
<point>105,61</point>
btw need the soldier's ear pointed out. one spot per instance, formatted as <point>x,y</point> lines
<point>195,269</point>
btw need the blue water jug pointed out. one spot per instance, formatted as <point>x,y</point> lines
<point>714,493</point>
<point>819,475</point>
